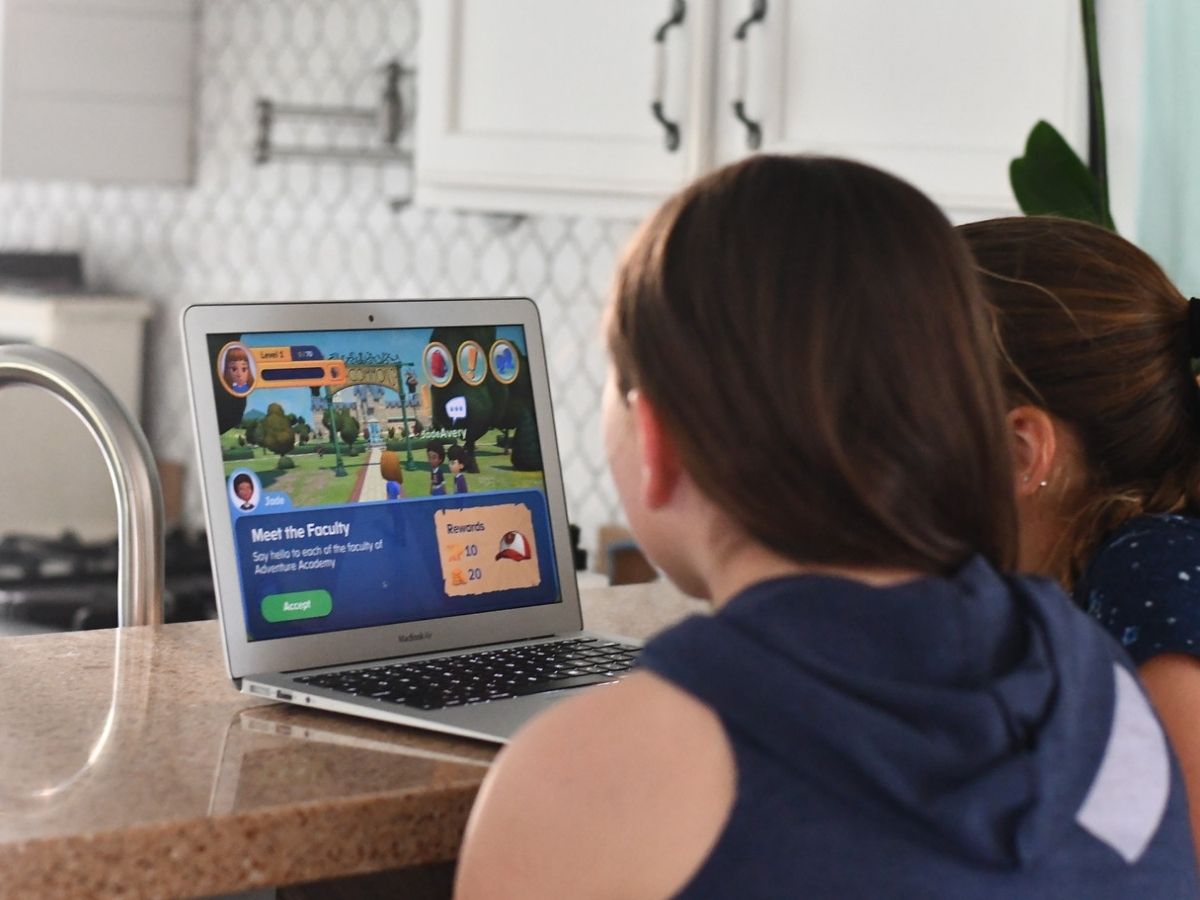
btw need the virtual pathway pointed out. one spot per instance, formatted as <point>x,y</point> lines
<point>373,485</point>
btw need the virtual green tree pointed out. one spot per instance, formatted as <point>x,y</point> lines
<point>277,434</point>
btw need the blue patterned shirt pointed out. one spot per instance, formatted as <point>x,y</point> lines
<point>1143,586</point>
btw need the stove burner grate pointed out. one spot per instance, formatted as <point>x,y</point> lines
<point>66,583</point>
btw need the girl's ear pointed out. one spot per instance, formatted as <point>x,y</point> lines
<point>1034,446</point>
<point>660,464</point>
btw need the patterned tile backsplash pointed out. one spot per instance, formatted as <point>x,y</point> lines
<point>322,230</point>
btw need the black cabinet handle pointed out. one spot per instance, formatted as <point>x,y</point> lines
<point>670,129</point>
<point>758,12</point>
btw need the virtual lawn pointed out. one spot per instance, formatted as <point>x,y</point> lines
<point>313,483</point>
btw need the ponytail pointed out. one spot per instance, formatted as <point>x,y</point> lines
<point>1096,334</point>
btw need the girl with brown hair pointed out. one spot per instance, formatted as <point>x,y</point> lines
<point>872,709</point>
<point>1105,411</point>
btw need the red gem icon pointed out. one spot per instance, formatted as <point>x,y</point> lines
<point>437,364</point>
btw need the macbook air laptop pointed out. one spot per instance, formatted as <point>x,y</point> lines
<point>385,508</point>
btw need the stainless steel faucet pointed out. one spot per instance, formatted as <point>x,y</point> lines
<point>130,465</point>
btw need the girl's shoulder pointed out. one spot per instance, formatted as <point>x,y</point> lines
<point>577,803</point>
<point>1150,548</point>
<point>1159,523</point>
<point>1143,585</point>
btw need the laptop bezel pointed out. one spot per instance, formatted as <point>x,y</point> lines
<point>245,657</point>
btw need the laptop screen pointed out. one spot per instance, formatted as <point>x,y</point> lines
<point>381,476</point>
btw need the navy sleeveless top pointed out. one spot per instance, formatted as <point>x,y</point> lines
<point>968,737</point>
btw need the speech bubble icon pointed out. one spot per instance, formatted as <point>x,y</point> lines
<point>456,408</point>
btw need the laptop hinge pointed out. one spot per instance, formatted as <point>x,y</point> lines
<point>444,651</point>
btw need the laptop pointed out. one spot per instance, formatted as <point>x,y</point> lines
<point>385,508</point>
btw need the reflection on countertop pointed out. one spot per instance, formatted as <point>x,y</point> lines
<point>129,765</point>
<point>278,754</point>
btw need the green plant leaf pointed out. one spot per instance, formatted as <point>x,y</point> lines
<point>1051,179</point>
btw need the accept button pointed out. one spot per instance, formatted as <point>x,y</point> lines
<point>297,605</point>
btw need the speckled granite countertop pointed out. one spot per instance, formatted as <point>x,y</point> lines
<point>164,781</point>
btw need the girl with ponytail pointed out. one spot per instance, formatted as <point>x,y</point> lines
<point>1104,409</point>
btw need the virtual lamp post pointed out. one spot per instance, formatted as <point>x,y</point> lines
<point>339,469</point>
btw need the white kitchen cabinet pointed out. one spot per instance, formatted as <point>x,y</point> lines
<point>545,106</point>
<point>940,92</point>
<point>96,90</point>
<point>536,105</point>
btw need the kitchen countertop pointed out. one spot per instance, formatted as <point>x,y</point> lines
<point>164,780</point>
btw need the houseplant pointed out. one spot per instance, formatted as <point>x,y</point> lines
<point>1051,179</point>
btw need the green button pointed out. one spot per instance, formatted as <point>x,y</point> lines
<point>297,605</point>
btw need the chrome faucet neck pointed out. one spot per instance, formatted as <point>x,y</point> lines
<point>130,465</point>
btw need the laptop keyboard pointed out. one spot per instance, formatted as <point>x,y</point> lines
<point>485,675</point>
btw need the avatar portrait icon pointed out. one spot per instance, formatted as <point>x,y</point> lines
<point>236,366</point>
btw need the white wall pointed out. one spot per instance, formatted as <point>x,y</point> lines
<point>1121,28</point>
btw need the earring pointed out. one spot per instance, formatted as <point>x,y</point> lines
<point>1024,479</point>
<point>1042,484</point>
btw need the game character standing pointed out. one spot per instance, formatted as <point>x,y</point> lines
<point>435,452</point>
<point>393,474</point>
<point>458,463</point>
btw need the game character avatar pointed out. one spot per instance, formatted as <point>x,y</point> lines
<point>458,463</point>
<point>435,452</point>
<point>243,486</point>
<point>236,372</point>
<point>393,474</point>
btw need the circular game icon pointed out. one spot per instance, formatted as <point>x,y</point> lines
<point>245,490</point>
<point>235,368</point>
<point>505,362</point>
<point>472,363</point>
<point>437,364</point>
